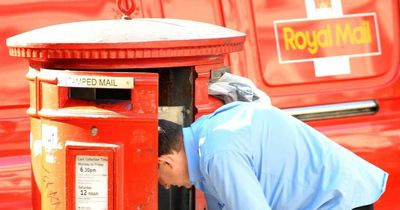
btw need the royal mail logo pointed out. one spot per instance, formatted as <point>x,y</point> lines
<point>300,40</point>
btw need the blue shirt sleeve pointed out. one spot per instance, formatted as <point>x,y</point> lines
<point>234,181</point>
<point>212,202</point>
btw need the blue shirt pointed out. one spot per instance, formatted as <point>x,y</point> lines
<point>248,156</point>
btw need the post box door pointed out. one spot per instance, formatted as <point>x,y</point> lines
<point>101,130</point>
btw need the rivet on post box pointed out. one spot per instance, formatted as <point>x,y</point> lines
<point>97,91</point>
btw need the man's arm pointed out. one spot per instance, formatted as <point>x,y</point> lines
<point>235,182</point>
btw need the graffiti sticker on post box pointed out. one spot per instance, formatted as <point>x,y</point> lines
<point>95,81</point>
<point>300,40</point>
<point>91,182</point>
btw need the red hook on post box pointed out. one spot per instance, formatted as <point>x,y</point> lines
<point>127,7</point>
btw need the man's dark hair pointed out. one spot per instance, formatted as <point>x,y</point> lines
<point>169,137</point>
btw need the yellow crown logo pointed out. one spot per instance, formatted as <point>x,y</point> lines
<point>323,4</point>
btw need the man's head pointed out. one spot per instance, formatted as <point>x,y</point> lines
<point>172,162</point>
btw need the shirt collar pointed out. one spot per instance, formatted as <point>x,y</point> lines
<point>191,149</point>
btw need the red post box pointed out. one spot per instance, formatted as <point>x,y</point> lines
<point>97,89</point>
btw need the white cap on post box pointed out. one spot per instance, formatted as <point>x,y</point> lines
<point>126,39</point>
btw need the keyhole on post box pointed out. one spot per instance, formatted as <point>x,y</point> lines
<point>94,130</point>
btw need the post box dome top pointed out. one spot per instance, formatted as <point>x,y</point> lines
<point>125,39</point>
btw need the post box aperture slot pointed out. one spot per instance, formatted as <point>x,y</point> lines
<point>106,91</point>
<point>100,95</point>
